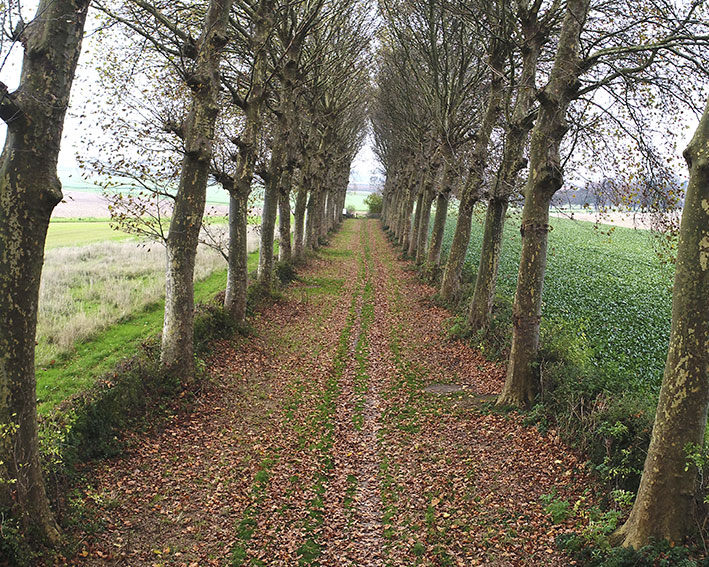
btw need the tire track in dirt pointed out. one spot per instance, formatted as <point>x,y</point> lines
<point>188,491</point>
<point>354,535</point>
<point>461,483</point>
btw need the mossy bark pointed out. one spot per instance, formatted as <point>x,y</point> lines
<point>484,293</point>
<point>177,352</point>
<point>301,202</point>
<point>545,178</point>
<point>285,252</point>
<point>665,504</point>
<point>29,191</point>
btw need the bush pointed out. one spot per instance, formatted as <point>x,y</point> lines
<point>598,553</point>
<point>286,272</point>
<point>374,203</point>
<point>612,427</point>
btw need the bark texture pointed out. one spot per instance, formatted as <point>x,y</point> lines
<point>177,353</point>
<point>29,191</point>
<point>486,281</point>
<point>664,506</point>
<point>545,178</point>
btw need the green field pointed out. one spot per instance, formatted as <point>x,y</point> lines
<point>356,199</point>
<point>78,232</point>
<point>71,181</point>
<point>611,289</point>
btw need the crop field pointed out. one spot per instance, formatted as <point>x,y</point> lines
<point>101,293</point>
<point>356,199</point>
<point>612,290</point>
<point>78,232</point>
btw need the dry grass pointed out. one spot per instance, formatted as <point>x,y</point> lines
<point>88,288</point>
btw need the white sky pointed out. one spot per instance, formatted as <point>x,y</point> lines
<point>77,129</point>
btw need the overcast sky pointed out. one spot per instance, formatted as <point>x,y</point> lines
<point>76,128</point>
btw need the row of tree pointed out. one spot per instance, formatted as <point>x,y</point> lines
<point>233,91</point>
<point>471,95</point>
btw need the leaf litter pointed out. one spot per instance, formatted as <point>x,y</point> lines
<point>315,443</point>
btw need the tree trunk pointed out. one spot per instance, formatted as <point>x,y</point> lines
<point>240,183</point>
<point>284,243</point>
<point>268,219</point>
<point>177,353</point>
<point>414,238</point>
<point>513,162</point>
<point>427,203</point>
<point>450,282</point>
<point>238,272</point>
<point>299,228</point>
<point>29,191</point>
<point>407,221</point>
<point>311,229</point>
<point>664,507</point>
<point>545,178</point>
<point>439,225</point>
<point>486,281</point>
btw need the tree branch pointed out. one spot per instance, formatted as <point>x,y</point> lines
<point>9,109</point>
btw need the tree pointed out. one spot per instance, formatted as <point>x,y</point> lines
<point>197,63</point>
<point>665,501</point>
<point>29,191</point>
<point>500,46</point>
<point>532,29</point>
<point>291,32</point>
<point>374,203</point>
<point>631,44</point>
<point>177,352</point>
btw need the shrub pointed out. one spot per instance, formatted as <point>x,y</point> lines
<point>286,272</point>
<point>374,203</point>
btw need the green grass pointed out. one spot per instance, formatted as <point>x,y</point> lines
<point>610,288</point>
<point>77,232</point>
<point>356,200</point>
<point>95,357</point>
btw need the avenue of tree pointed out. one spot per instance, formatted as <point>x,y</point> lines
<point>469,101</point>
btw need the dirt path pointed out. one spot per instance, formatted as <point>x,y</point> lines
<point>317,443</point>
